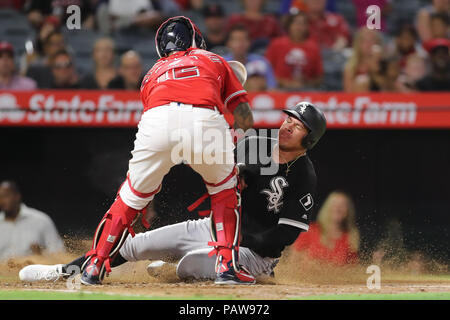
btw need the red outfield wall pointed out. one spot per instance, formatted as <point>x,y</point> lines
<point>123,109</point>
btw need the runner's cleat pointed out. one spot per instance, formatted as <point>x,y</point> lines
<point>40,272</point>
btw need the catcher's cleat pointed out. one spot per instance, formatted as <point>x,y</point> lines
<point>228,275</point>
<point>91,274</point>
<point>40,272</point>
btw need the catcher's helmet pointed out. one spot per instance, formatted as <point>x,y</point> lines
<point>313,119</point>
<point>178,34</point>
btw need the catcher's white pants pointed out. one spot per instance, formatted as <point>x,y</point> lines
<point>187,242</point>
<point>175,133</point>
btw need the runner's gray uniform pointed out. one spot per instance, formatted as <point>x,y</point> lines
<point>187,242</point>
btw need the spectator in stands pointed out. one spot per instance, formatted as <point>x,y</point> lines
<point>439,77</point>
<point>439,25</point>
<point>35,52</point>
<point>38,10</point>
<point>238,42</point>
<point>365,58</point>
<point>104,70</point>
<point>334,238</point>
<point>53,43</point>
<point>132,14</point>
<point>262,27</point>
<point>296,58</point>
<point>9,80</point>
<point>256,76</point>
<point>361,8</point>
<point>384,75</point>
<point>63,71</point>
<point>39,69</point>
<point>329,29</point>
<point>405,44</point>
<point>24,230</point>
<point>215,22</point>
<point>130,72</point>
<point>413,71</point>
<point>423,22</point>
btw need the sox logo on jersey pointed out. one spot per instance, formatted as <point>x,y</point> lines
<point>275,195</point>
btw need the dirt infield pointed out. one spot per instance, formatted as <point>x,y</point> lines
<point>294,278</point>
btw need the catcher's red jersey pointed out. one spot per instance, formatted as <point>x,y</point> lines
<point>195,76</point>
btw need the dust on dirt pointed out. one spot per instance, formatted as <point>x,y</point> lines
<point>295,276</point>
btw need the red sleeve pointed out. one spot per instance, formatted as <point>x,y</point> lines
<point>232,89</point>
<point>235,102</point>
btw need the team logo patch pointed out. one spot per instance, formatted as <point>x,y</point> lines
<point>275,195</point>
<point>307,201</point>
<point>302,109</point>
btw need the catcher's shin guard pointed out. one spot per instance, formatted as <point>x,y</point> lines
<point>109,237</point>
<point>225,228</point>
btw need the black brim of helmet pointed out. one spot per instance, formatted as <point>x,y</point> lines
<point>296,115</point>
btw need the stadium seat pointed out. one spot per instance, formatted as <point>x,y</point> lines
<point>347,9</point>
<point>82,41</point>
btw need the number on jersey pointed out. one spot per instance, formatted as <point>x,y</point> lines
<point>179,74</point>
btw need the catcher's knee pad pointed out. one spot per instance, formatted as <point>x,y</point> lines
<point>110,235</point>
<point>225,225</point>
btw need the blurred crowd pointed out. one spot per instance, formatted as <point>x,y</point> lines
<point>289,45</point>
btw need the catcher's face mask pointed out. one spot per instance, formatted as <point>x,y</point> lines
<point>178,34</point>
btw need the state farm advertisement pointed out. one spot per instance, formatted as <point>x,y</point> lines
<point>124,109</point>
<point>70,108</point>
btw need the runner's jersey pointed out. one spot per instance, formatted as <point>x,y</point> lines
<point>274,196</point>
<point>196,77</point>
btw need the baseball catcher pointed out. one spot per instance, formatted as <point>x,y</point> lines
<point>276,207</point>
<point>183,96</point>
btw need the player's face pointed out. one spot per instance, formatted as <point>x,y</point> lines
<point>291,134</point>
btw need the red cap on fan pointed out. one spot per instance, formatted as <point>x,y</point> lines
<point>6,46</point>
<point>436,43</point>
